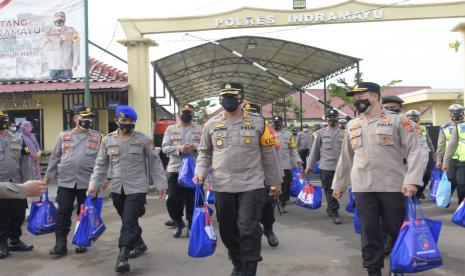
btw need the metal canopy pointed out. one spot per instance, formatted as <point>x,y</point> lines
<point>196,73</point>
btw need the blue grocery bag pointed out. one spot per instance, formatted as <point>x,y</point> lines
<point>310,197</point>
<point>42,216</point>
<point>415,249</point>
<point>350,206</point>
<point>297,182</point>
<point>316,167</point>
<point>89,224</point>
<point>444,192</point>
<point>434,184</point>
<point>202,237</point>
<point>186,172</point>
<point>459,215</point>
<point>357,226</point>
<point>210,193</point>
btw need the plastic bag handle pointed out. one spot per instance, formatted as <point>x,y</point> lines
<point>198,195</point>
<point>46,196</point>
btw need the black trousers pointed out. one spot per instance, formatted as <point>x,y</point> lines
<point>12,216</point>
<point>303,156</point>
<point>178,198</point>
<point>239,217</point>
<point>326,182</point>
<point>372,207</point>
<point>130,208</point>
<point>452,174</point>
<point>427,174</point>
<point>268,211</point>
<point>460,178</point>
<point>65,200</point>
<point>286,186</point>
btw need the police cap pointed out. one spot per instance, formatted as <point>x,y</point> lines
<point>456,108</point>
<point>125,111</point>
<point>392,99</point>
<point>3,115</point>
<point>278,119</point>
<point>252,107</point>
<point>342,120</point>
<point>231,88</point>
<point>187,107</point>
<point>364,87</point>
<point>412,113</point>
<point>332,113</point>
<point>84,111</point>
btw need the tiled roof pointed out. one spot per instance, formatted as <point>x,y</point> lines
<point>102,76</point>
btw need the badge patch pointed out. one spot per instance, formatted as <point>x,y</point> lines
<point>247,141</point>
<point>219,143</point>
<point>407,124</point>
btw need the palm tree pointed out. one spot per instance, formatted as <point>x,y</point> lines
<point>200,108</point>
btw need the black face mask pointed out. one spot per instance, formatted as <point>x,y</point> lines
<point>277,125</point>
<point>59,22</point>
<point>362,105</point>
<point>229,104</point>
<point>126,128</point>
<point>457,117</point>
<point>294,133</point>
<point>3,124</point>
<point>332,123</point>
<point>342,126</point>
<point>86,124</point>
<point>186,117</point>
<point>393,109</point>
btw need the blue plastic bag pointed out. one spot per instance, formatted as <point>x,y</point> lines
<point>444,192</point>
<point>187,171</point>
<point>210,193</point>
<point>310,197</point>
<point>89,226</point>
<point>459,215</point>
<point>357,226</point>
<point>297,182</point>
<point>350,206</point>
<point>415,249</point>
<point>316,167</point>
<point>434,184</point>
<point>42,216</point>
<point>202,238</point>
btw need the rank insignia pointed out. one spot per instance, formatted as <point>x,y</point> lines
<point>219,125</point>
<point>407,124</point>
<point>220,134</point>
<point>247,141</point>
<point>219,143</point>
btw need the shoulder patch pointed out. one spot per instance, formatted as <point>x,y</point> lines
<point>407,124</point>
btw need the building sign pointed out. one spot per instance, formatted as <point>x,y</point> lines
<point>296,18</point>
<point>41,39</point>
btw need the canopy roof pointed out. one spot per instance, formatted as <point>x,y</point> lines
<point>196,73</point>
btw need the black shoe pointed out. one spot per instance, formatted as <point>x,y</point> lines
<point>250,268</point>
<point>80,250</point>
<point>273,240</point>
<point>329,214</point>
<point>60,248</point>
<point>137,251</point>
<point>170,223</point>
<point>395,274</point>
<point>337,219</point>
<point>122,263</point>
<point>238,270</point>
<point>422,196</point>
<point>178,231</point>
<point>283,207</point>
<point>18,245</point>
<point>4,250</point>
<point>374,272</point>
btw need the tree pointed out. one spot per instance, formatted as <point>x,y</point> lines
<point>200,108</point>
<point>289,105</point>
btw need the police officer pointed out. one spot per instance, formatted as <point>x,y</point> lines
<point>14,167</point>
<point>72,159</point>
<point>288,157</point>
<point>62,46</point>
<point>414,115</point>
<point>445,133</point>
<point>304,142</point>
<point>238,147</point>
<point>127,157</point>
<point>327,148</point>
<point>180,140</point>
<point>268,218</point>
<point>456,148</point>
<point>392,103</point>
<point>370,162</point>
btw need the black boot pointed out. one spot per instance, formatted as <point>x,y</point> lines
<point>138,250</point>
<point>80,250</point>
<point>178,230</point>
<point>250,268</point>
<point>122,264</point>
<point>238,270</point>
<point>4,250</point>
<point>283,207</point>
<point>60,248</point>
<point>337,219</point>
<point>374,272</point>
<point>273,240</point>
<point>18,245</point>
<point>170,223</point>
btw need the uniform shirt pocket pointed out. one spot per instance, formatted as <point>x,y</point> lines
<point>67,148</point>
<point>16,149</point>
<point>248,137</point>
<point>355,137</point>
<point>327,143</point>
<point>91,149</point>
<point>113,152</point>
<point>384,136</point>
<point>135,150</point>
<point>176,139</point>
<point>219,138</point>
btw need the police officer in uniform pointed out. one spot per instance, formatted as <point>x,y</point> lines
<point>327,148</point>
<point>304,142</point>
<point>127,157</point>
<point>371,162</point>
<point>414,115</point>
<point>72,159</point>
<point>239,149</point>
<point>62,47</point>
<point>268,218</point>
<point>14,167</point>
<point>288,157</point>
<point>180,140</point>
<point>445,133</point>
<point>392,103</point>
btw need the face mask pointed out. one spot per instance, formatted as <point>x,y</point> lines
<point>59,22</point>
<point>332,123</point>
<point>294,133</point>
<point>230,104</point>
<point>3,124</point>
<point>393,109</point>
<point>277,125</point>
<point>126,128</point>
<point>457,117</point>
<point>305,129</point>
<point>186,117</point>
<point>85,124</point>
<point>362,105</point>
<point>13,129</point>
<point>342,126</point>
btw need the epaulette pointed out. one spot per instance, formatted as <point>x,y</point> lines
<point>113,133</point>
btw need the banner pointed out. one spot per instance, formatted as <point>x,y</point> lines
<point>41,39</point>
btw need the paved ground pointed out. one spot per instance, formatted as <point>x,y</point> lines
<point>310,245</point>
